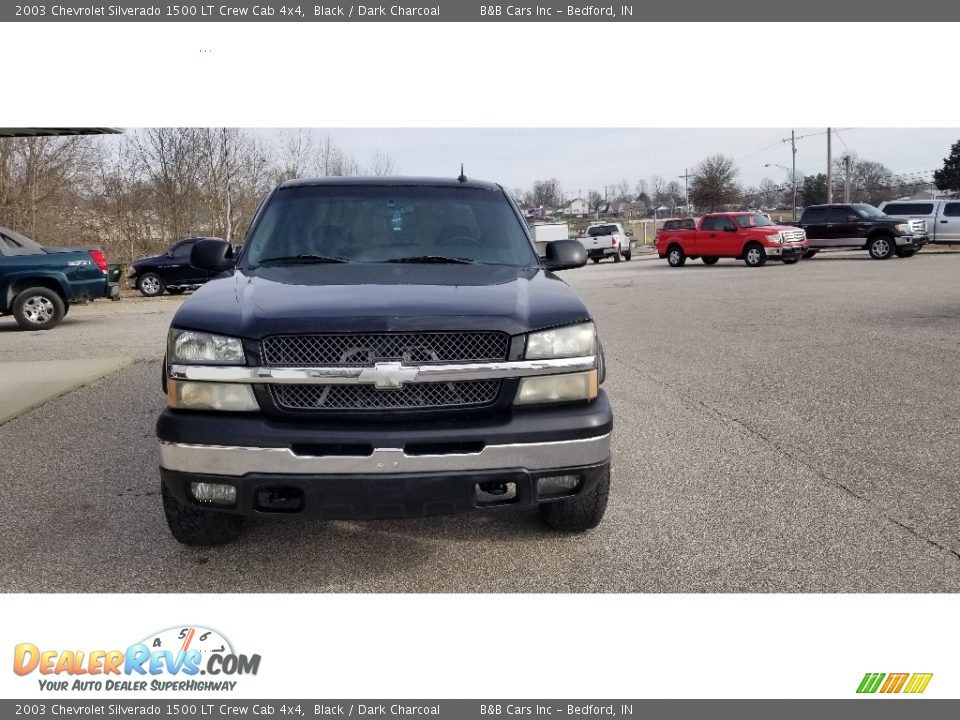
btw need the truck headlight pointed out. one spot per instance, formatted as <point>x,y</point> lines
<point>557,388</point>
<point>187,346</point>
<point>776,238</point>
<point>571,341</point>
<point>904,228</point>
<point>228,397</point>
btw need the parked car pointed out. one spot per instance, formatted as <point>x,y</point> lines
<point>170,272</point>
<point>384,347</point>
<point>38,283</point>
<point>941,216</point>
<point>606,239</point>
<point>858,226</point>
<point>752,237</point>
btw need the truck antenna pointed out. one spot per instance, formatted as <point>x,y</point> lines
<point>462,178</point>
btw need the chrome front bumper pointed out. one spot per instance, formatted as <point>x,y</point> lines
<point>238,461</point>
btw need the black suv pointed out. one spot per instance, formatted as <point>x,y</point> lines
<point>171,271</point>
<point>383,348</point>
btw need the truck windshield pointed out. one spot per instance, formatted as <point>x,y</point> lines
<point>753,220</point>
<point>601,230</point>
<point>867,211</point>
<point>388,224</point>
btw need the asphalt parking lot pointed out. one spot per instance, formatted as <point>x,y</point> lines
<point>781,429</point>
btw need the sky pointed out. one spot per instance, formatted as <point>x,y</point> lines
<point>585,159</point>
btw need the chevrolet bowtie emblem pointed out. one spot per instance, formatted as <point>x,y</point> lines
<point>388,375</point>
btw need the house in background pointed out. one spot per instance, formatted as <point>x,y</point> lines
<point>577,206</point>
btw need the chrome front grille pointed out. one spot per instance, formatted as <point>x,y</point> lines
<point>357,349</point>
<point>918,227</point>
<point>794,235</point>
<point>415,396</point>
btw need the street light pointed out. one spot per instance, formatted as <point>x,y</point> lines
<point>793,183</point>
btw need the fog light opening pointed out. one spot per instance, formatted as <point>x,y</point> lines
<point>214,493</point>
<point>495,493</point>
<point>557,485</point>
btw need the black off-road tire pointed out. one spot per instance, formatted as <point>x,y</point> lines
<point>676,257</point>
<point>791,261</point>
<point>710,259</point>
<point>754,255</point>
<point>628,255</point>
<point>198,528</point>
<point>616,256</point>
<point>38,308</point>
<point>881,247</point>
<point>579,513</point>
<point>595,260</point>
<point>810,254</point>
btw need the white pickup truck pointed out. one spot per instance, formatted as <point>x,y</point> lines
<point>942,216</point>
<point>607,239</point>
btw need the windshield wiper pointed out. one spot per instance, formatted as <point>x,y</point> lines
<point>304,259</point>
<point>426,259</point>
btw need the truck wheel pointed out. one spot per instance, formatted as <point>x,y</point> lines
<point>881,247</point>
<point>754,255</point>
<point>579,513</point>
<point>595,260</point>
<point>38,308</point>
<point>675,256</point>
<point>151,285</point>
<point>616,256</point>
<point>905,253</point>
<point>791,261</point>
<point>710,260</point>
<point>190,526</point>
<point>627,255</point>
<point>809,254</point>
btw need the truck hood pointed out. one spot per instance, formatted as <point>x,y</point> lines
<point>380,298</point>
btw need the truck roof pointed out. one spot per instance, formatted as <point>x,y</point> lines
<point>392,181</point>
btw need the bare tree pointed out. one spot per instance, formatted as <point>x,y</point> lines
<point>768,192</point>
<point>596,202</point>
<point>714,183</point>
<point>547,193</point>
<point>382,164</point>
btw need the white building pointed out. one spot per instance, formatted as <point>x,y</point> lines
<point>577,206</point>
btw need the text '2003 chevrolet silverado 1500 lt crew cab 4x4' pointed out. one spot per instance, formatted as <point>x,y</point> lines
<point>383,348</point>
<point>749,236</point>
<point>38,283</point>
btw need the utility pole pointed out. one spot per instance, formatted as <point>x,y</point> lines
<point>829,167</point>
<point>793,173</point>
<point>686,190</point>
<point>847,163</point>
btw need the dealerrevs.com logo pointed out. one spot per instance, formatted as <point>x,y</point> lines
<point>173,659</point>
<point>892,683</point>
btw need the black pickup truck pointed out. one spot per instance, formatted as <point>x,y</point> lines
<point>858,226</point>
<point>383,348</point>
<point>38,283</point>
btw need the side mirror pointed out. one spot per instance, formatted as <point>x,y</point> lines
<point>212,255</point>
<point>565,255</point>
<point>629,233</point>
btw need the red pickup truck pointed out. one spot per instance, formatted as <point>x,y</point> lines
<point>750,236</point>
